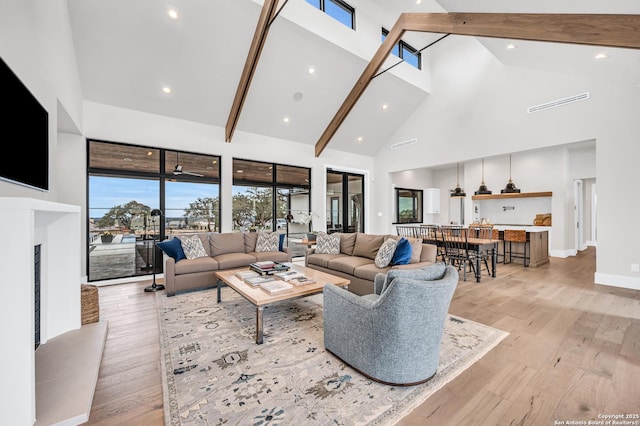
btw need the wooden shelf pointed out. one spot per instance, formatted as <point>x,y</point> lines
<point>512,195</point>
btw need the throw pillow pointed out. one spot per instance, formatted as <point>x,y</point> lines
<point>192,247</point>
<point>385,254</point>
<point>416,249</point>
<point>402,255</point>
<point>173,248</point>
<point>267,241</point>
<point>327,243</point>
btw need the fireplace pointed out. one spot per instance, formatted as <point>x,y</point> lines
<point>41,242</point>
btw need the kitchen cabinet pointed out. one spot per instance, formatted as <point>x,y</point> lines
<point>539,245</point>
<point>432,200</point>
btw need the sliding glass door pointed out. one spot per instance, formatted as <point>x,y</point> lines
<point>345,202</point>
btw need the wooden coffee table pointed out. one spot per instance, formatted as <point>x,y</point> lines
<point>261,299</point>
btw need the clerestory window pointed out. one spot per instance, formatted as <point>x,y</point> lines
<point>405,51</point>
<point>338,10</point>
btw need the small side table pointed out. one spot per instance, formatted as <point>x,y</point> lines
<point>306,242</point>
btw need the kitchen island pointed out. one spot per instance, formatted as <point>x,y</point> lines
<point>537,242</point>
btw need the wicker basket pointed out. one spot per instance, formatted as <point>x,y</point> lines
<point>89,304</point>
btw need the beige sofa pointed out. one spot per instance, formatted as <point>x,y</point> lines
<point>356,260</point>
<point>225,251</point>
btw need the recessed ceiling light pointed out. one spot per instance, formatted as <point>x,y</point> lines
<point>385,106</point>
<point>286,119</point>
<point>149,153</point>
<point>359,139</point>
<point>418,1</point>
<point>511,46</point>
<point>173,14</point>
<point>127,159</point>
<point>600,56</point>
<point>311,70</point>
<point>239,171</point>
<point>166,89</point>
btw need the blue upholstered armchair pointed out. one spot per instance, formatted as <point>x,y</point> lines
<point>392,336</point>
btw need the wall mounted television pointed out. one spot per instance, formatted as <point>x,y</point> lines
<point>24,131</point>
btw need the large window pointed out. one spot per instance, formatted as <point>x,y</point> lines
<point>405,51</point>
<point>270,196</point>
<point>408,205</point>
<point>338,10</point>
<point>125,184</point>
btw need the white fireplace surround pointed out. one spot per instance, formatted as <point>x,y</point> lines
<point>24,223</point>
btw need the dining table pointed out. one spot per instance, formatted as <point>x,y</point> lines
<point>478,245</point>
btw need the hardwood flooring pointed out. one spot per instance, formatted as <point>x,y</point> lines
<point>573,352</point>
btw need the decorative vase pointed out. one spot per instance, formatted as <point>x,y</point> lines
<point>106,239</point>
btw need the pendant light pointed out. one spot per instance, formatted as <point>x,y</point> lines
<point>458,192</point>
<point>482,190</point>
<point>511,187</point>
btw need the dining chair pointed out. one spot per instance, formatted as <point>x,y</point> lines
<point>430,235</point>
<point>456,244</point>
<point>484,232</point>
<point>407,231</point>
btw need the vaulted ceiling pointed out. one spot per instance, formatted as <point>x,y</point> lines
<point>127,51</point>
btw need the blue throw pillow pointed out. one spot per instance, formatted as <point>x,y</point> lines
<point>281,242</point>
<point>173,248</point>
<point>402,255</point>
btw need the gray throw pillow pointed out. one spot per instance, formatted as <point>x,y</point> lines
<point>385,253</point>
<point>267,241</point>
<point>192,247</point>
<point>327,243</point>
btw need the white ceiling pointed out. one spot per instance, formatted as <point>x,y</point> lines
<point>128,50</point>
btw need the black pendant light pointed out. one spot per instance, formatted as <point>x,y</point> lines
<point>511,187</point>
<point>458,192</point>
<point>482,190</point>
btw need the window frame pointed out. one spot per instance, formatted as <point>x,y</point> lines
<point>401,46</point>
<point>342,5</point>
<point>418,206</point>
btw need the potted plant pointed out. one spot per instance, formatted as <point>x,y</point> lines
<point>106,237</point>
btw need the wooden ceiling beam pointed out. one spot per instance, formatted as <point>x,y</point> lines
<point>589,29</point>
<point>269,11</point>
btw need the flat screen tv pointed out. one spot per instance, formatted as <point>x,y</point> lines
<point>24,134</point>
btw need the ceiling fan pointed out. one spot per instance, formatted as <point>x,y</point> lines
<point>179,171</point>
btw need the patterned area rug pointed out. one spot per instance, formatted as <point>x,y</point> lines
<point>214,373</point>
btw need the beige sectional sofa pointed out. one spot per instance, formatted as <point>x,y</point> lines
<point>356,260</point>
<point>225,251</point>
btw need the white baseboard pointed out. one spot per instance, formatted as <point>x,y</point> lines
<point>563,253</point>
<point>592,243</point>
<point>617,281</point>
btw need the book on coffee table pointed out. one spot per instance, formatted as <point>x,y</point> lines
<point>259,280</point>
<point>301,280</point>
<point>288,275</point>
<point>268,267</point>
<point>275,286</point>
<point>247,274</point>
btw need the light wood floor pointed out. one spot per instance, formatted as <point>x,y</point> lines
<point>573,352</point>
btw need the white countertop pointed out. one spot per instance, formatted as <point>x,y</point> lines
<point>528,228</point>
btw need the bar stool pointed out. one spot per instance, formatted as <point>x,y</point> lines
<point>515,236</point>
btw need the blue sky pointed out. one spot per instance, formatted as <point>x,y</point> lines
<point>106,192</point>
